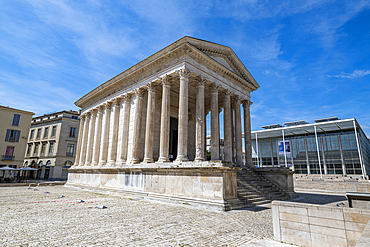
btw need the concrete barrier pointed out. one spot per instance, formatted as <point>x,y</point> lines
<point>312,225</point>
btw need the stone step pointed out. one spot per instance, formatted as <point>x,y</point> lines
<point>265,197</point>
<point>259,190</point>
<point>258,201</point>
<point>252,195</point>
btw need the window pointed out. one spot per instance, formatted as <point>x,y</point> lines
<point>72,132</point>
<point>29,149</point>
<point>54,132</point>
<point>46,133</point>
<point>70,149</point>
<point>38,134</point>
<point>9,153</point>
<point>12,135</point>
<point>36,149</point>
<point>16,119</point>
<point>43,149</point>
<point>51,148</point>
<point>32,134</point>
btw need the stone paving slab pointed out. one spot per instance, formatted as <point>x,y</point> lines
<point>32,217</point>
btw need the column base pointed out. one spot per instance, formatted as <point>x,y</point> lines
<point>134,161</point>
<point>148,160</point>
<point>181,158</point>
<point>94,164</point>
<point>163,160</point>
<point>199,159</point>
<point>102,163</point>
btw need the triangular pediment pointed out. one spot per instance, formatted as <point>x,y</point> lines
<point>223,55</point>
<point>223,61</point>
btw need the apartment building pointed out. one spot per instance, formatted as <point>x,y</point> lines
<point>52,143</point>
<point>14,127</point>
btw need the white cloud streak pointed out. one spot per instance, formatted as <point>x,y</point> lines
<point>355,74</point>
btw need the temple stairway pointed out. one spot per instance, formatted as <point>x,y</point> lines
<point>254,189</point>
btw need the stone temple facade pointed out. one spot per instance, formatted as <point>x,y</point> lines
<point>143,132</point>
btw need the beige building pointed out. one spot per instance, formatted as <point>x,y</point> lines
<point>144,131</point>
<point>52,143</point>
<point>14,127</point>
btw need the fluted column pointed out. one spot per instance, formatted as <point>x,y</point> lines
<point>104,135</point>
<point>79,141</point>
<point>84,140</point>
<point>90,138</point>
<point>165,120</point>
<point>113,132</point>
<point>247,133</point>
<point>149,133</point>
<point>200,121</point>
<point>232,126</point>
<point>227,130</point>
<point>97,136</point>
<point>238,133</point>
<point>182,141</point>
<point>139,92</point>
<point>125,126</point>
<point>205,133</point>
<point>215,130</point>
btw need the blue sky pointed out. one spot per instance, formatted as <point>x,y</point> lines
<point>310,58</point>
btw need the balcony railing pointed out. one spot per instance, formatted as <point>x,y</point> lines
<point>7,157</point>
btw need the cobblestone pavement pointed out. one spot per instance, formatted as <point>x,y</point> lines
<point>40,217</point>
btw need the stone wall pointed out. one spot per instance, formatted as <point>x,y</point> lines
<point>313,225</point>
<point>338,187</point>
<point>209,187</point>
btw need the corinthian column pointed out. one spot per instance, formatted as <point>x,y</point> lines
<point>139,92</point>
<point>125,126</point>
<point>113,132</point>
<point>149,133</point>
<point>238,133</point>
<point>227,129</point>
<point>97,135</point>
<point>104,135</point>
<point>79,141</point>
<point>182,143</point>
<point>247,133</point>
<point>84,140</point>
<point>90,138</point>
<point>200,120</point>
<point>165,120</point>
<point>215,130</point>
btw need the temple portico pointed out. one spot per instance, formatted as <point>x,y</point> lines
<point>144,131</point>
<point>108,124</point>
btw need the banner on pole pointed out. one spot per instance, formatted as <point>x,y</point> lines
<point>281,147</point>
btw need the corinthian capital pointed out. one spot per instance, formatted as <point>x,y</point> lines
<point>151,86</point>
<point>139,92</point>
<point>183,73</point>
<point>214,88</point>
<point>201,81</point>
<point>166,80</point>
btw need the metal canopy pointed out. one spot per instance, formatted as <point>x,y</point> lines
<point>322,127</point>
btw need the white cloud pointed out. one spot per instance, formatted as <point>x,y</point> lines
<point>354,74</point>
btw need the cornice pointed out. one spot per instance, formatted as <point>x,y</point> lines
<point>158,62</point>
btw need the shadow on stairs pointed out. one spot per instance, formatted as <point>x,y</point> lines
<point>254,189</point>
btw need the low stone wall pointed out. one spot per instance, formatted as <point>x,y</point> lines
<point>281,177</point>
<point>312,225</point>
<point>210,187</point>
<point>335,186</point>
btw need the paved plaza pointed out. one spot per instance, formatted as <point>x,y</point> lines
<point>40,217</point>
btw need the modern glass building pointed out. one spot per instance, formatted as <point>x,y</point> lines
<point>328,147</point>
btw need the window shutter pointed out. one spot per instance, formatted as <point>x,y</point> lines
<point>16,119</point>
<point>7,135</point>
<point>17,135</point>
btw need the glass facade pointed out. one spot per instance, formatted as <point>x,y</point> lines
<point>336,152</point>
